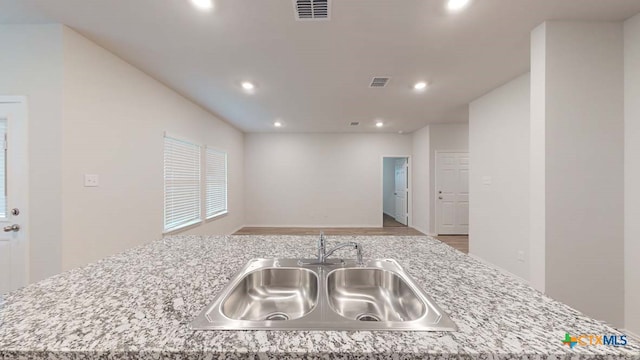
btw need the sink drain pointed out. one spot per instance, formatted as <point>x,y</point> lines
<point>367,317</point>
<point>277,316</point>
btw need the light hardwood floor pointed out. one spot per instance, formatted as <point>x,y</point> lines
<point>383,231</point>
<point>459,242</point>
<point>388,221</point>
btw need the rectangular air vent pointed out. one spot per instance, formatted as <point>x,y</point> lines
<point>354,123</point>
<point>312,9</point>
<point>379,82</point>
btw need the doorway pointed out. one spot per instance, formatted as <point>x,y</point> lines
<point>452,193</point>
<point>395,192</point>
<point>14,187</point>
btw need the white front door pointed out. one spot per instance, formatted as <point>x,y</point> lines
<point>452,193</point>
<point>14,187</point>
<point>401,191</point>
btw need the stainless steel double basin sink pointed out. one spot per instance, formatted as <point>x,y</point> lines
<point>296,294</point>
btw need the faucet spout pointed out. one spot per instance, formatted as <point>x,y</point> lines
<point>323,253</point>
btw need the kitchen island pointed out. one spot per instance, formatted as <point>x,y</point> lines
<point>139,304</point>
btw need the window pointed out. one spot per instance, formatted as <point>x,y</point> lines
<point>216,183</point>
<point>182,194</point>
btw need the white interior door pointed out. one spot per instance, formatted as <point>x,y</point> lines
<point>401,191</point>
<point>14,187</point>
<point>452,193</point>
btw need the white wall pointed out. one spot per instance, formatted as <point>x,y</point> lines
<point>90,112</point>
<point>584,137</point>
<point>499,149</point>
<point>31,65</point>
<point>443,137</point>
<point>114,118</point>
<point>537,156</point>
<point>632,173</point>
<point>317,179</point>
<point>389,186</point>
<point>421,180</point>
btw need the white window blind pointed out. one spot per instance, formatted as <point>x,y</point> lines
<point>216,183</point>
<point>182,194</point>
<point>3,168</point>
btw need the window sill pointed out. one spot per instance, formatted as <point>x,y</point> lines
<point>218,215</point>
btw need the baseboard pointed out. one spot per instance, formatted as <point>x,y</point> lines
<point>502,270</point>
<point>236,230</point>
<point>419,229</point>
<point>632,334</point>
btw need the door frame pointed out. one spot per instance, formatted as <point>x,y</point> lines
<point>409,187</point>
<point>436,207</point>
<point>23,111</point>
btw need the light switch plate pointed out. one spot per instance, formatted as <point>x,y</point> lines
<point>91,180</point>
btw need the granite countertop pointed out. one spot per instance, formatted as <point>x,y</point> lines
<point>138,304</point>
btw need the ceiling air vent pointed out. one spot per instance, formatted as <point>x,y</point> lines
<point>379,82</point>
<point>354,123</point>
<point>312,9</point>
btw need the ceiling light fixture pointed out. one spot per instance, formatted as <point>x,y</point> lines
<point>379,124</point>
<point>203,4</point>
<point>455,5</point>
<point>420,86</point>
<point>277,124</point>
<point>248,86</point>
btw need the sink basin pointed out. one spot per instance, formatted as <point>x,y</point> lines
<point>301,294</point>
<point>272,294</point>
<point>372,295</point>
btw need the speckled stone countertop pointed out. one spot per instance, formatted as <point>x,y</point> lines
<point>138,305</point>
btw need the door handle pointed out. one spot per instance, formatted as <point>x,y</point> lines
<point>14,227</point>
<point>439,197</point>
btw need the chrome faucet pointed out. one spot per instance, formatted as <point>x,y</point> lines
<point>323,254</point>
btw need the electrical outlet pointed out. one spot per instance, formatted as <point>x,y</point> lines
<point>521,256</point>
<point>90,180</point>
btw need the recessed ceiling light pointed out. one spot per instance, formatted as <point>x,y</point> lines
<point>420,85</point>
<point>248,86</point>
<point>455,5</point>
<point>277,124</point>
<point>379,124</point>
<point>203,4</point>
